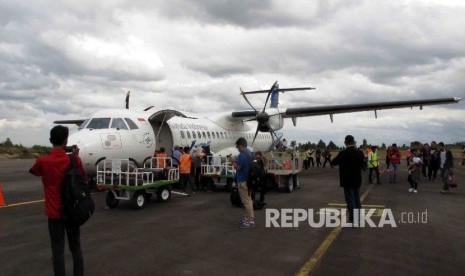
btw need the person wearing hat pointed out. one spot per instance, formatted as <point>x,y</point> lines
<point>350,162</point>
<point>373,165</point>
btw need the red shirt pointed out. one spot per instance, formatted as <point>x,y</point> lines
<point>395,156</point>
<point>52,169</point>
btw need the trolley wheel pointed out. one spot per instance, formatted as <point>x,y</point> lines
<point>111,201</point>
<point>287,183</point>
<point>138,199</point>
<point>163,194</point>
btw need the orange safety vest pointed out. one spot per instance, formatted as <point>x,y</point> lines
<point>161,162</point>
<point>185,163</point>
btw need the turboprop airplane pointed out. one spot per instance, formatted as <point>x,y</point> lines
<point>135,135</point>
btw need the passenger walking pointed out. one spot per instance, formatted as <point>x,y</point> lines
<point>350,162</point>
<point>318,157</point>
<point>305,159</point>
<point>388,154</point>
<point>327,156</point>
<point>185,170</point>
<point>242,166</point>
<point>394,161</point>
<point>408,155</point>
<point>373,165</point>
<point>434,162</point>
<point>446,164</point>
<point>52,169</point>
<point>311,156</point>
<point>414,170</point>
<point>425,154</point>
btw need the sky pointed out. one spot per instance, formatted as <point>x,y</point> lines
<point>68,59</point>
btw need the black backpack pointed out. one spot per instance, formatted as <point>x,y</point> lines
<point>77,204</point>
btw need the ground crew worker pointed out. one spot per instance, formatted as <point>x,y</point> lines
<point>185,170</point>
<point>161,155</point>
<point>373,165</point>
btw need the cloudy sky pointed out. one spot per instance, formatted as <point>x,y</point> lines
<point>68,59</point>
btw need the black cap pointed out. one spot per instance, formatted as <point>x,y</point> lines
<point>394,145</point>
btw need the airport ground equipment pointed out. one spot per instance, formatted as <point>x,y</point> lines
<point>123,180</point>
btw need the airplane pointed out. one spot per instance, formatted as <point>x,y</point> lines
<point>135,135</point>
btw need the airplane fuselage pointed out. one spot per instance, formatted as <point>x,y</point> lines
<point>125,134</point>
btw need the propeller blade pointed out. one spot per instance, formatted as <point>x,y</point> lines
<point>127,99</point>
<point>255,137</point>
<point>245,98</point>
<point>269,93</point>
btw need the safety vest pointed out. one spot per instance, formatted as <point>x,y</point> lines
<point>186,163</point>
<point>373,162</point>
<point>161,161</point>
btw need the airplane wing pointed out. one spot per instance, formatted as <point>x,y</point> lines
<point>69,122</point>
<point>334,109</point>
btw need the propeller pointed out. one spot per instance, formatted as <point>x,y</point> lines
<point>262,117</point>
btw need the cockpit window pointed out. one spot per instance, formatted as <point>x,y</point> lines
<point>83,125</point>
<point>118,123</point>
<point>99,123</point>
<point>131,124</point>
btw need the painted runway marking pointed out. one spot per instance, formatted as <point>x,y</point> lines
<point>329,240</point>
<point>22,203</point>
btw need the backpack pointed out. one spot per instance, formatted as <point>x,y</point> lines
<point>77,204</point>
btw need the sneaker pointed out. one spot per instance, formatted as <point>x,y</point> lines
<point>410,190</point>
<point>247,225</point>
<point>415,191</point>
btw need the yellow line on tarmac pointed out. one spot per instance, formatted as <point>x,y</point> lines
<point>364,206</point>
<point>324,246</point>
<point>23,203</point>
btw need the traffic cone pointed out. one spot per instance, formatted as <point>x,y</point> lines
<point>2,200</point>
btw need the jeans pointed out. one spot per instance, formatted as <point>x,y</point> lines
<point>352,197</point>
<point>185,180</point>
<point>57,229</point>
<point>393,172</point>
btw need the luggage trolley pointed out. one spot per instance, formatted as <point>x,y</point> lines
<point>215,173</point>
<point>283,171</point>
<point>124,181</point>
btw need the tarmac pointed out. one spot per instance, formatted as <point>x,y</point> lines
<point>200,235</point>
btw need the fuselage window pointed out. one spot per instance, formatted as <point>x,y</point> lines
<point>204,135</point>
<point>218,135</point>
<point>193,135</point>
<point>208,134</point>
<point>221,134</point>
<point>131,124</point>
<point>199,134</point>
<point>182,135</point>
<point>118,123</point>
<point>213,135</point>
<point>188,135</point>
<point>99,123</point>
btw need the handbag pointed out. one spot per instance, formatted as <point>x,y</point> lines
<point>451,181</point>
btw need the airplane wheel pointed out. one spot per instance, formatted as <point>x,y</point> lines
<point>111,201</point>
<point>288,184</point>
<point>164,194</point>
<point>295,180</point>
<point>139,200</point>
